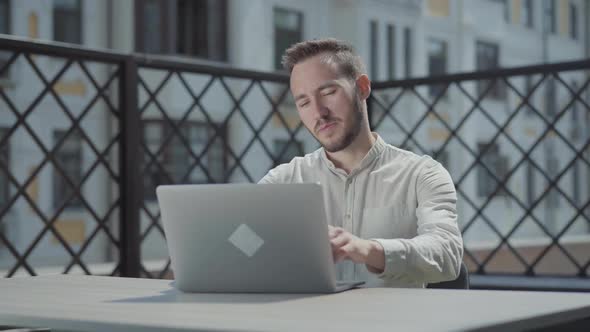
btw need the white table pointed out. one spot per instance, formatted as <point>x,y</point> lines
<point>88,303</point>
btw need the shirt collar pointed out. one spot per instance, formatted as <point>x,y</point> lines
<point>373,153</point>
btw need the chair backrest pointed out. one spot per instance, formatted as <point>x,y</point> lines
<point>462,281</point>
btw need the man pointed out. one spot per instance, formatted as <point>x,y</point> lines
<point>392,213</point>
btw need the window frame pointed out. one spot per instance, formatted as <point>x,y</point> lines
<point>5,55</point>
<point>573,21</point>
<point>391,52</point>
<point>436,89</point>
<point>5,156</point>
<point>408,51</point>
<point>165,158</point>
<point>278,53</point>
<point>498,91</point>
<point>279,143</point>
<point>494,159</point>
<point>60,187</point>
<point>553,196</point>
<point>550,16</point>
<point>527,13</point>
<point>169,20</point>
<point>374,48</point>
<point>56,12</point>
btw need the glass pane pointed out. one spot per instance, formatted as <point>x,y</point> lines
<point>152,27</point>
<point>288,31</point>
<point>290,150</point>
<point>4,159</point>
<point>69,158</point>
<point>287,19</point>
<point>408,51</point>
<point>374,38</point>
<point>4,16</point>
<point>67,4</point>
<point>391,56</point>
<point>152,132</point>
<point>437,63</point>
<point>67,25</point>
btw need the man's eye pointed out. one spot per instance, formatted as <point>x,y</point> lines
<point>303,104</point>
<point>329,92</point>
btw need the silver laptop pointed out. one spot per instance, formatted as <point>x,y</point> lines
<point>251,238</point>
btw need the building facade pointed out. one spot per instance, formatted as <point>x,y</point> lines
<point>398,39</point>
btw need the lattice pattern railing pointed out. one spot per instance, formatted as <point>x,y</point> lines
<point>184,122</point>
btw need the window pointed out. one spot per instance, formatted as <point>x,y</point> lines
<point>437,64</point>
<point>194,28</point>
<point>575,115</point>
<point>442,157</point>
<point>526,13</point>
<point>201,29</point>
<point>5,29</point>
<point>175,159</point>
<point>553,195</point>
<point>391,52</point>
<point>487,55</point>
<point>505,9</point>
<point>530,183</point>
<point>5,160</point>
<point>408,52</point>
<point>294,149</point>
<point>551,102</point>
<point>67,21</point>
<point>288,31</point>
<point>576,184</point>
<point>5,16</point>
<point>550,16</point>
<point>3,232</point>
<point>69,158</point>
<point>573,21</point>
<point>498,164</point>
<point>374,48</point>
<point>151,26</point>
<point>528,88</point>
<point>4,182</point>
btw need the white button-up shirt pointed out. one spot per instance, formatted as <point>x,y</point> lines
<point>405,202</point>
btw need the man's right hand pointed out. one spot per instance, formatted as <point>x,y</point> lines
<point>345,245</point>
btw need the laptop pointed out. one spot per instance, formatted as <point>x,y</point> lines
<point>248,238</point>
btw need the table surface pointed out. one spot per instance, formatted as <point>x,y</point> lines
<point>91,303</point>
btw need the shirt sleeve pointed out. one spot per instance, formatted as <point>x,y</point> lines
<point>279,174</point>
<point>268,179</point>
<point>435,254</point>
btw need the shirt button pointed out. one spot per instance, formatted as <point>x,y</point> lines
<point>348,215</point>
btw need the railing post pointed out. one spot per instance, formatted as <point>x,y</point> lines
<point>129,161</point>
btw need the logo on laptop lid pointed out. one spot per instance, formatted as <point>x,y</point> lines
<point>245,239</point>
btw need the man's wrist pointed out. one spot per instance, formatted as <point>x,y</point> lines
<point>375,259</point>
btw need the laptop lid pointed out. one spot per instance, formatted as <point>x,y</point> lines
<point>248,238</point>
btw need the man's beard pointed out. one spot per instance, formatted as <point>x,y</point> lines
<point>349,135</point>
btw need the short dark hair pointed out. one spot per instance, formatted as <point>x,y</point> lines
<point>332,51</point>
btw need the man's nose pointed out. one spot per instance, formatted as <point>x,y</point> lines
<point>321,110</point>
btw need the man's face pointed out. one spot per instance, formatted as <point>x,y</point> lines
<point>327,103</point>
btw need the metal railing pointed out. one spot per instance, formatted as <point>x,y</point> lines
<point>170,120</point>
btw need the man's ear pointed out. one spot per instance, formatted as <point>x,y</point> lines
<point>364,86</point>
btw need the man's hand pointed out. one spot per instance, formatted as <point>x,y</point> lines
<point>347,246</point>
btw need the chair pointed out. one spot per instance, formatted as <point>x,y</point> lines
<point>462,281</point>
